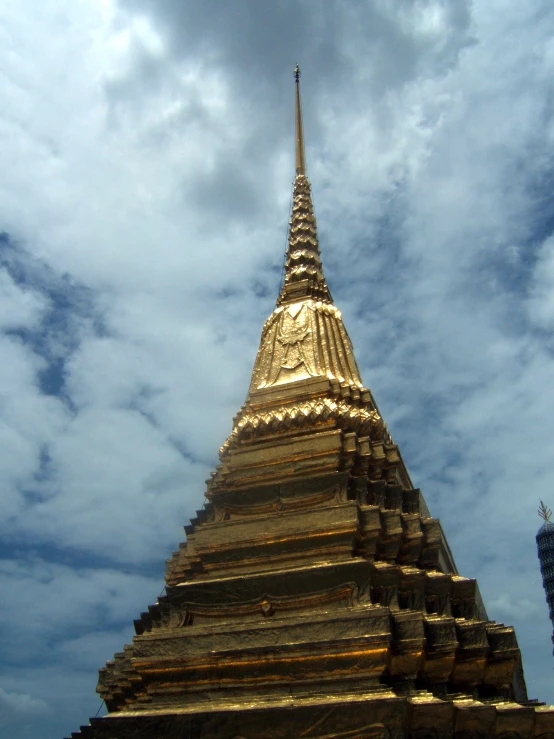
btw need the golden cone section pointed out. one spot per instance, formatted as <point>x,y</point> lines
<point>305,376</point>
<point>303,270</point>
<point>303,340</point>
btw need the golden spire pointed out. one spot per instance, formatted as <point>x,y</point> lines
<point>305,377</point>
<point>300,158</point>
<point>303,271</point>
<point>304,338</point>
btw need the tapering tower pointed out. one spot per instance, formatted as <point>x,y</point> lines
<point>545,550</point>
<point>305,379</point>
<point>314,596</point>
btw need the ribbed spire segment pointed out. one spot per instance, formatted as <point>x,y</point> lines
<point>303,270</point>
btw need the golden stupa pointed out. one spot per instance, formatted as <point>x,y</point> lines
<point>315,596</point>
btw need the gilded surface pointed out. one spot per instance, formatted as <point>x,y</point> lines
<point>314,596</point>
<point>303,268</point>
<point>302,340</point>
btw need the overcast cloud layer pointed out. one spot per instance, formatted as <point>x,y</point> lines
<point>145,170</point>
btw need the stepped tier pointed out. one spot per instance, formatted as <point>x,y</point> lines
<point>327,584</point>
<point>326,604</point>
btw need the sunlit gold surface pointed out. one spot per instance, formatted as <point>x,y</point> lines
<point>314,595</point>
<point>303,268</point>
<point>302,340</point>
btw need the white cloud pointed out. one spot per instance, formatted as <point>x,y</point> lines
<point>21,308</point>
<point>541,299</point>
<point>20,703</point>
<point>147,156</point>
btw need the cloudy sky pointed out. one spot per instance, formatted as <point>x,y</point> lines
<point>146,161</point>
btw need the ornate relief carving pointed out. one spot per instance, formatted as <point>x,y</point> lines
<point>310,413</point>
<point>283,503</point>
<point>301,340</point>
<point>267,605</point>
<point>303,270</point>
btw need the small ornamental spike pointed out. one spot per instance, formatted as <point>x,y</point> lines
<point>544,512</point>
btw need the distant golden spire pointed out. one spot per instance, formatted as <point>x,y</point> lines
<point>544,512</point>
<point>300,158</point>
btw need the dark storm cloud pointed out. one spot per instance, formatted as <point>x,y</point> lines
<point>258,42</point>
<point>351,56</point>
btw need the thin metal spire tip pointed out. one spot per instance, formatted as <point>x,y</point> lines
<point>300,157</point>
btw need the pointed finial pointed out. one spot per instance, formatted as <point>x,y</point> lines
<point>544,512</point>
<point>300,159</point>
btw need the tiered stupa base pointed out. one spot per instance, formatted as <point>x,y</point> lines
<point>324,605</point>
